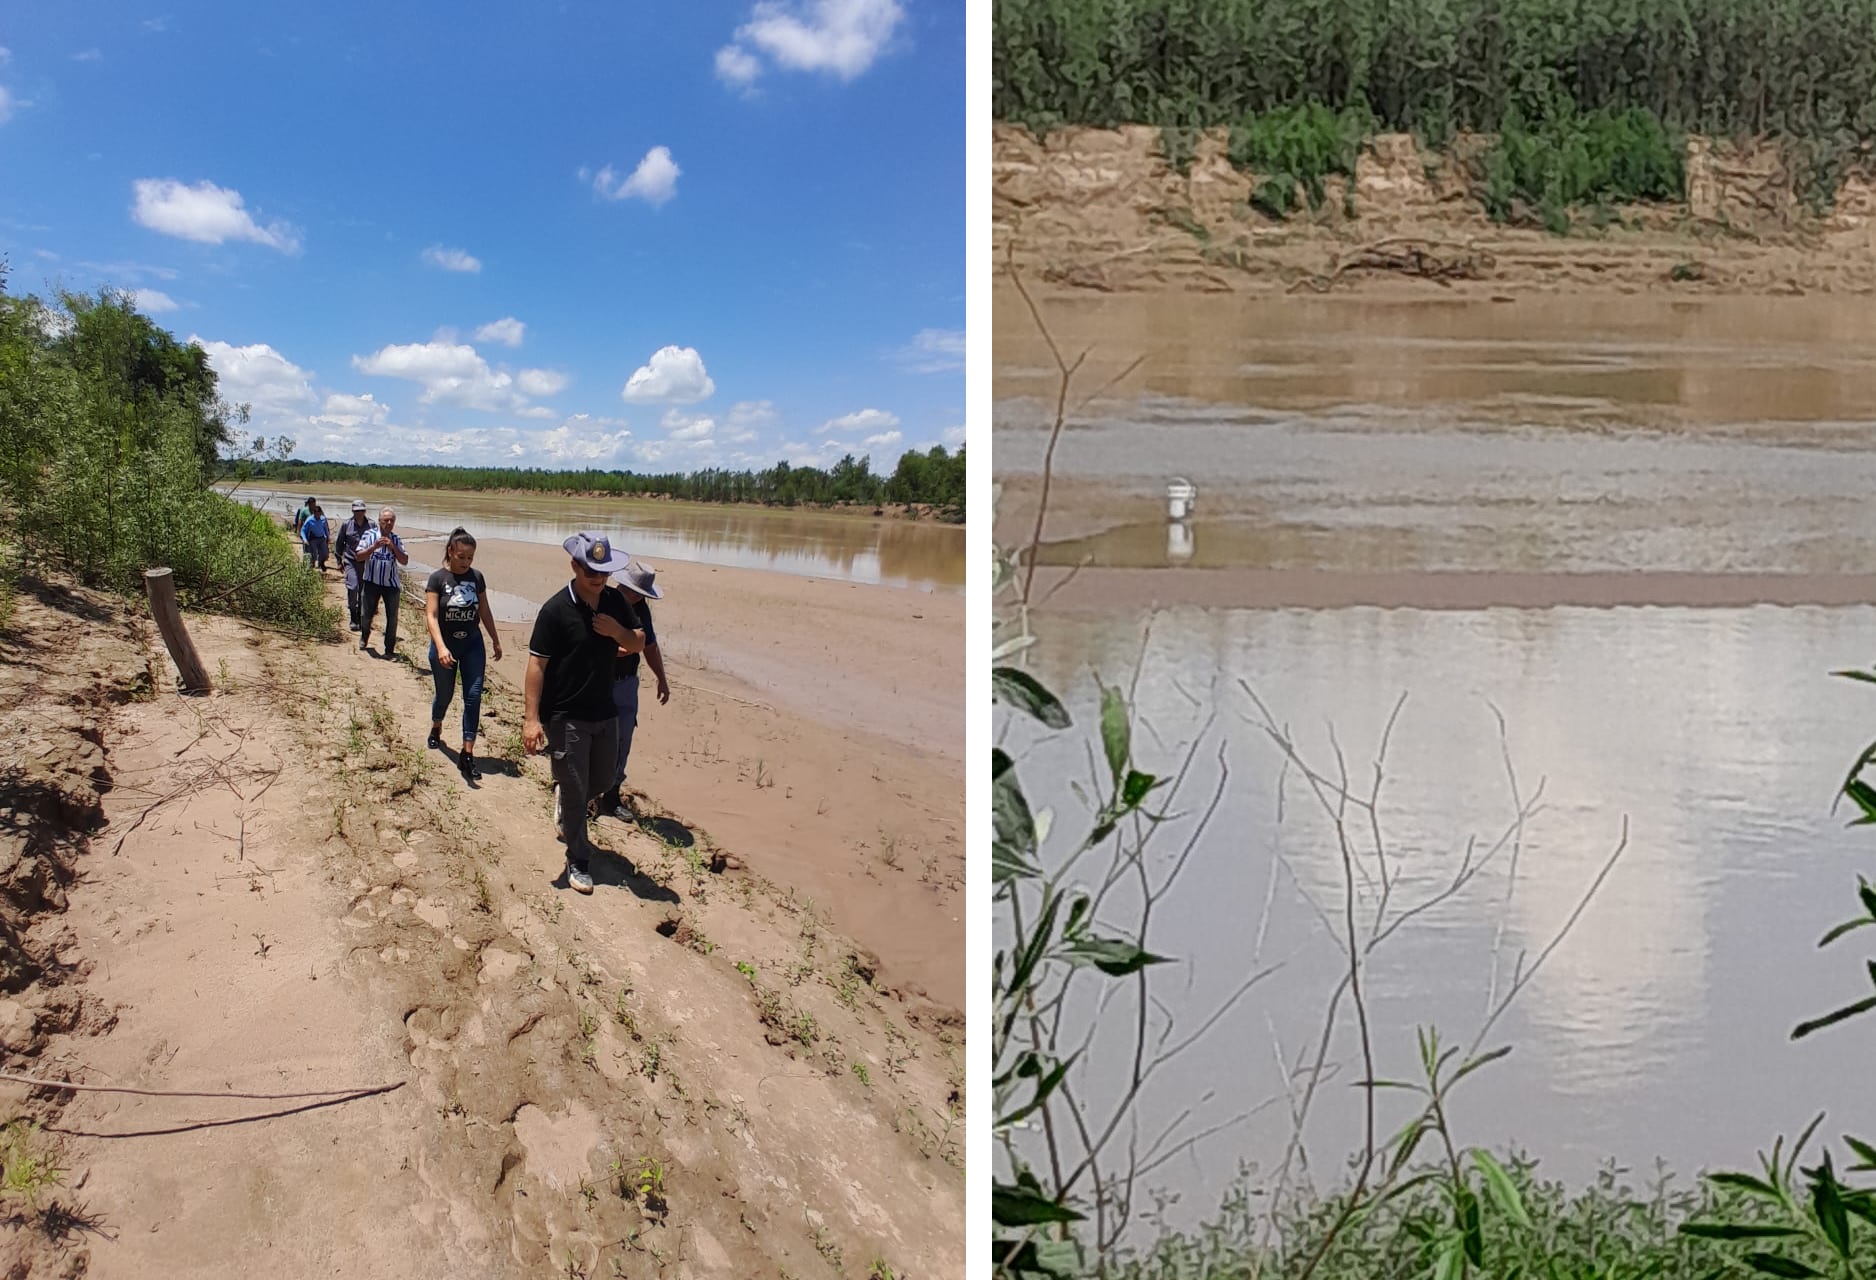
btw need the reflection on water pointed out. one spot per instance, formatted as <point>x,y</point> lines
<point>893,553</point>
<point>1660,1028</point>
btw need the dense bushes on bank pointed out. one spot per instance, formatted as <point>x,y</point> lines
<point>109,429</point>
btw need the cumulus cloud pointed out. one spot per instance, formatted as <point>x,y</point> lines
<point>654,180</point>
<point>882,440</point>
<point>153,301</point>
<point>451,259</point>
<point>673,375</point>
<point>449,373</point>
<point>88,55</point>
<point>342,410</point>
<point>508,331</point>
<point>737,67</point>
<point>541,382</point>
<point>841,38</point>
<point>6,105</point>
<point>205,213</point>
<point>258,376</point>
<point>682,426</point>
<point>953,435</point>
<point>747,417</point>
<point>933,351</point>
<point>864,420</point>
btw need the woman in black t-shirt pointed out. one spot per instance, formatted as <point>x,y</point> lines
<point>456,606</point>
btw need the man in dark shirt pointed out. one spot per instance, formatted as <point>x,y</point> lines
<point>345,546</point>
<point>577,636</point>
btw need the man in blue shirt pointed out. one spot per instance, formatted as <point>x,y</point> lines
<point>380,552</point>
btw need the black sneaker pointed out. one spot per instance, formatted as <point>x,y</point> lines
<point>364,642</point>
<point>466,765</point>
<point>436,741</point>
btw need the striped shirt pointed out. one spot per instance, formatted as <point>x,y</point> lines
<point>380,566</point>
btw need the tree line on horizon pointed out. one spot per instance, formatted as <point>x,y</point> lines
<point>934,478</point>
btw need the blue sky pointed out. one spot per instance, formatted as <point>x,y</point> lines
<point>602,234</point>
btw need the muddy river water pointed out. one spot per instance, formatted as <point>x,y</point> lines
<point>1687,462</point>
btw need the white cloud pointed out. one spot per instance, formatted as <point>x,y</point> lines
<point>654,180</point>
<point>508,331</point>
<point>88,55</point>
<point>153,301</point>
<point>535,411</point>
<point>129,270</point>
<point>451,259</point>
<point>258,376</point>
<point>881,440</point>
<point>673,375</point>
<point>205,213</point>
<point>933,351</point>
<point>6,55</point>
<point>841,38</point>
<point>953,435</point>
<point>737,67</point>
<point>541,382</point>
<point>156,24</point>
<point>747,417</point>
<point>342,410</point>
<point>449,373</point>
<point>6,105</point>
<point>681,426</point>
<point>864,420</point>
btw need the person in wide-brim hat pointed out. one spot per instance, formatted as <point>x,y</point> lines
<point>572,659</point>
<point>638,583</point>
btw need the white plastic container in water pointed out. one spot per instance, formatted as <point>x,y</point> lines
<point>1181,497</point>
<point>1178,542</point>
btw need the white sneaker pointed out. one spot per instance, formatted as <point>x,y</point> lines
<point>579,877</point>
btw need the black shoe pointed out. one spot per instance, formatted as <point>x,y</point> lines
<point>436,741</point>
<point>466,765</point>
<point>352,625</point>
<point>364,641</point>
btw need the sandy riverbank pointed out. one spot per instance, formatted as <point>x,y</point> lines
<point>815,728</point>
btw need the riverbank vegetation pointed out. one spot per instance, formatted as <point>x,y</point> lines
<point>109,432</point>
<point>933,479</point>
<point>1588,101</point>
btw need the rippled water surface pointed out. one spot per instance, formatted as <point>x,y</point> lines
<point>1614,437</point>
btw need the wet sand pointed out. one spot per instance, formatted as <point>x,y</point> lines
<point>815,729</point>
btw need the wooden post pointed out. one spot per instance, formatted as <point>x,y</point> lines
<point>161,585</point>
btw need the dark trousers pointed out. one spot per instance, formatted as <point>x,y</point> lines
<point>369,594</point>
<point>625,699</point>
<point>351,591</point>
<point>472,660</point>
<point>583,758</point>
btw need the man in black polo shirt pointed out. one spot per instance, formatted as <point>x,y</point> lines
<point>577,635</point>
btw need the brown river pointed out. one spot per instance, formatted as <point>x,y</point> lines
<point>1424,500</point>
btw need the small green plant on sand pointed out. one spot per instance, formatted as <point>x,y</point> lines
<point>27,1169</point>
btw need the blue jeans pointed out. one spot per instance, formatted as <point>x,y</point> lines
<point>625,701</point>
<point>472,660</point>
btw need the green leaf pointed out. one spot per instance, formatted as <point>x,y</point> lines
<point>1484,1059</point>
<point>1862,1204</point>
<point>1747,1183</point>
<point>1046,1085</point>
<point>1772,1265</point>
<point>1844,928</point>
<point>1827,1204</point>
<point>1865,1152</point>
<point>1865,676</point>
<point>1470,1228</point>
<point>1865,797</point>
<point>1736,1231</point>
<point>1452,1263</point>
<point>1116,733</point>
<point>1135,789</point>
<point>1023,691</point>
<point>1015,1206</point>
<point>1503,1191</point>
<point>1059,1259</point>
<point>1115,957</point>
<point>1804,1029</point>
<point>1013,846</point>
<point>1868,896</point>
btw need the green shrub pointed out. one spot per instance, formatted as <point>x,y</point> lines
<point>1572,161</point>
<point>1295,150</point>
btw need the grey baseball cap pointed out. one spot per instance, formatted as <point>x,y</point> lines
<point>595,551</point>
